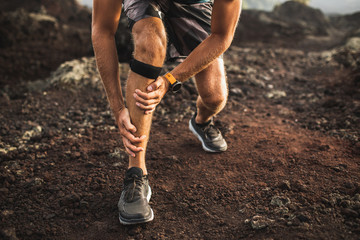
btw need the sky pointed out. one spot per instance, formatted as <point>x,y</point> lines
<point>327,6</point>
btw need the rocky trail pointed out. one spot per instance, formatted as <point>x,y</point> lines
<point>292,169</point>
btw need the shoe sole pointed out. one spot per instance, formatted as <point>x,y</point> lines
<point>137,221</point>
<point>192,129</point>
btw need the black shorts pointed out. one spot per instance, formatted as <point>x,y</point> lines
<point>187,22</point>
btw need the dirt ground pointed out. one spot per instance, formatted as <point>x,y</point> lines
<point>291,170</point>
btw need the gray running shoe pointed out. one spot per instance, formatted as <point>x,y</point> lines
<point>209,135</point>
<point>134,200</point>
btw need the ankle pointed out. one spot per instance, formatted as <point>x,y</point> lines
<point>200,121</point>
<point>143,168</point>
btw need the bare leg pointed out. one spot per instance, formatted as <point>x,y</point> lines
<point>150,47</point>
<point>212,87</point>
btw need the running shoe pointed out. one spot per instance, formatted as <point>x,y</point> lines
<point>134,205</point>
<point>209,135</point>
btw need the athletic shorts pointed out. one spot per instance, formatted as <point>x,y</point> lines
<point>187,22</point>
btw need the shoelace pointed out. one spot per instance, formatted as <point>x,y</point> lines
<point>211,131</point>
<point>136,184</point>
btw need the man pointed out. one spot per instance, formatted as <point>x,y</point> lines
<point>199,32</point>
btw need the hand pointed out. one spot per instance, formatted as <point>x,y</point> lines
<point>149,100</point>
<point>127,130</point>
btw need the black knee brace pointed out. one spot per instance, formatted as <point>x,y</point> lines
<point>144,69</point>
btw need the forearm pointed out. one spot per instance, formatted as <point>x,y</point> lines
<point>225,16</point>
<point>107,62</point>
<point>210,49</point>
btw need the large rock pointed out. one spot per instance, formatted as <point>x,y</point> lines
<point>311,20</point>
<point>290,24</point>
<point>346,22</point>
<point>37,36</point>
<point>64,10</point>
<point>34,43</point>
<point>79,73</point>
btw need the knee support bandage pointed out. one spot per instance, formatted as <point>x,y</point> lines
<point>144,69</point>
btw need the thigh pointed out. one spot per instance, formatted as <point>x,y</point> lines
<point>188,23</point>
<point>211,82</point>
<point>136,10</point>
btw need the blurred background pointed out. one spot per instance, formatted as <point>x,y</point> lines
<point>327,6</point>
<point>36,36</point>
<point>293,114</point>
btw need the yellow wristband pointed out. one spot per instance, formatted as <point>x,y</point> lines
<point>170,78</point>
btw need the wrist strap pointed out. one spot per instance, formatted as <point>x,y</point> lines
<point>170,78</point>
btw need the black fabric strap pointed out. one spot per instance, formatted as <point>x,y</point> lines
<point>144,69</point>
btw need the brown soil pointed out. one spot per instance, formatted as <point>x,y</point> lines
<point>293,161</point>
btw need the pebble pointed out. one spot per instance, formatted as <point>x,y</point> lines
<point>275,94</point>
<point>345,203</point>
<point>348,212</point>
<point>236,92</point>
<point>259,222</point>
<point>281,210</point>
<point>280,201</point>
<point>285,185</point>
<point>36,132</point>
<point>257,82</point>
<point>5,213</point>
<point>357,197</point>
<point>304,217</point>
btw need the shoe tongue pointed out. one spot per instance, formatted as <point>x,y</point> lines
<point>134,171</point>
<point>212,132</point>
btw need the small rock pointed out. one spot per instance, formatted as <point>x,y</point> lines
<point>257,82</point>
<point>357,197</point>
<point>300,186</point>
<point>118,154</point>
<point>36,132</point>
<point>285,185</point>
<point>304,217</point>
<point>49,216</point>
<point>236,92</point>
<point>281,210</point>
<point>324,147</point>
<point>294,222</point>
<point>233,68</point>
<point>275,94</point>
<point>260,222</point>
<point>345,203</point>
<point>37,181</point>
<point>356,206</point>
<point>5,213</point>
<point>118,164</point>
<point>349,212</point>
<point>353,44</point>
<point>280,201</point>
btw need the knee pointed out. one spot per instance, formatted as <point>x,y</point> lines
<point>215,102</point>
<point>150,41</point>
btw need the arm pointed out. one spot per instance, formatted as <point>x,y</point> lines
<point>105,19</point>
<point>224,20</point>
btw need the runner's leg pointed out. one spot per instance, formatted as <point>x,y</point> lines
<point>212,87</point>
<point>150,48</point>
